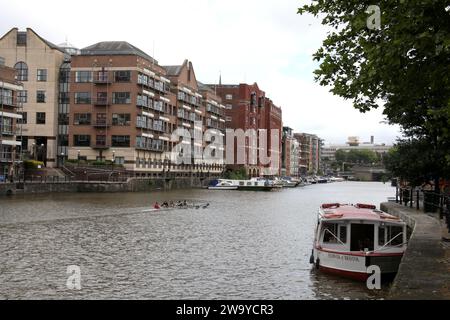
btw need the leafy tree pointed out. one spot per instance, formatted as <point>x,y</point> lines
<point>415,161</point>
<point>356,156</point>
<point>403,64</point>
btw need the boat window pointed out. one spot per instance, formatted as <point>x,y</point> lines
<point>241,183</point>
<point>362,237</point>
<point>249,183</point>
<point>381,236</point>
<point>343,233</point>
<point>390,235</point>
<point>394,235</point>
<point>330,232</point>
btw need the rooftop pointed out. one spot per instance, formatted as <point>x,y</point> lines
<point>173,70</point>
<point>110,48</point>
<point>356,212</point>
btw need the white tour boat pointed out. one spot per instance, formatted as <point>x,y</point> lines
<point>255,184</point>
<point>350,238</point>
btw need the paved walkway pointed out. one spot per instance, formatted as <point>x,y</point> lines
<point>424,272</point>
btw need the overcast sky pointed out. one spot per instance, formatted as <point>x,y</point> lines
<point>261,41</point>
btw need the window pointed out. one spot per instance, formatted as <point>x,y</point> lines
<point>22,96</point>
<point>228,119</point>
<point>120,141</point>
<point>102,76</point>
<point>40,96</point>
<point>253,99</point>
<point>40,117</point>
<point>22,71</point>
<point>63,119</point>
<point>42,75</point>
<point>64,76</point>
<point>390,235</point>
<point>21,38</point>
<point>330,232</point>
<point>6,96</point>
<point>82,97</point>
<point>82,140</point>
<point>343,233</point>
<point>64,98</point>
<point>229,106</point>
<point>123,76</point>
<point>6,125</point>
<point>63,140</point>
<point>100,140</point>
<point>82,119</point>
<point>83,76</point>
<point>121,119</point>
<point>24,118</point>
<point>121,98</point>
<point>229,97</point>
<point>119,160</point>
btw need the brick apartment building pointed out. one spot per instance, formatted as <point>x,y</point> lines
<point>247,107</point>
<point>124,107</point>
<point>10,131</point>
<point>198,109</point>
<point>310,153</point>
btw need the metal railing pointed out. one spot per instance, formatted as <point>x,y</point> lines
<point>426,200</point>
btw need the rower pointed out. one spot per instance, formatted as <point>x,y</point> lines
<point>156,206</point>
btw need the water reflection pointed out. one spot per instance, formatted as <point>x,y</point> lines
<point>247,245</point>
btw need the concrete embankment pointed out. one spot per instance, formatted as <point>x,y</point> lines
<point>424,272</point>
<point>132,185</point>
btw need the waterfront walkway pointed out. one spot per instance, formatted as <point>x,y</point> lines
<point>424,272</point>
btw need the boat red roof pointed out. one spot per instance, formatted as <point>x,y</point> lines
<point>355,212</point>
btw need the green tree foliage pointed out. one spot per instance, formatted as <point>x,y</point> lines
<point>404,66</point>
<point>414,160</point>
<point>357,156</point>
<point>239,174</point>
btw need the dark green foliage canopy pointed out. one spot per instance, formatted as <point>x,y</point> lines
<point>404,66</point>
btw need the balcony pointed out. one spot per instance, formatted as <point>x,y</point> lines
<point>7,101</point>
<point>157,148</point>
<point>100,146</point>
<point>142,103</point>
<point>102,79</point>
<point>102,102</point>
<point>7,130</point>
<point>158,128</point>
<point>101,124</point>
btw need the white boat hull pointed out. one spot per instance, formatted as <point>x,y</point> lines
<point>354,265</point>
<point>223,188</point>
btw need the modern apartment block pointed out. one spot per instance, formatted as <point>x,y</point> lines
<point>121,107</point>
<point>290,154</point>
<point>247,108</point>
<point>124,108</point>
<point>37,62</point>
<point>10,118</point>
<point>310,153</point>
<point>198,109</point>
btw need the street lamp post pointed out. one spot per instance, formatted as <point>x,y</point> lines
<point>113,160</point>
<point>78,158</point>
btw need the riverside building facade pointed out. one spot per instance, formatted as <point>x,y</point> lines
<point>125,107</point>
<point>198,110</point>
<point>37,63</point>
<point>248,108</point>
<point>10,123</point>
<point>121,107</point>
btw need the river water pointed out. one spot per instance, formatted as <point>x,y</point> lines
<point>246,245</point>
